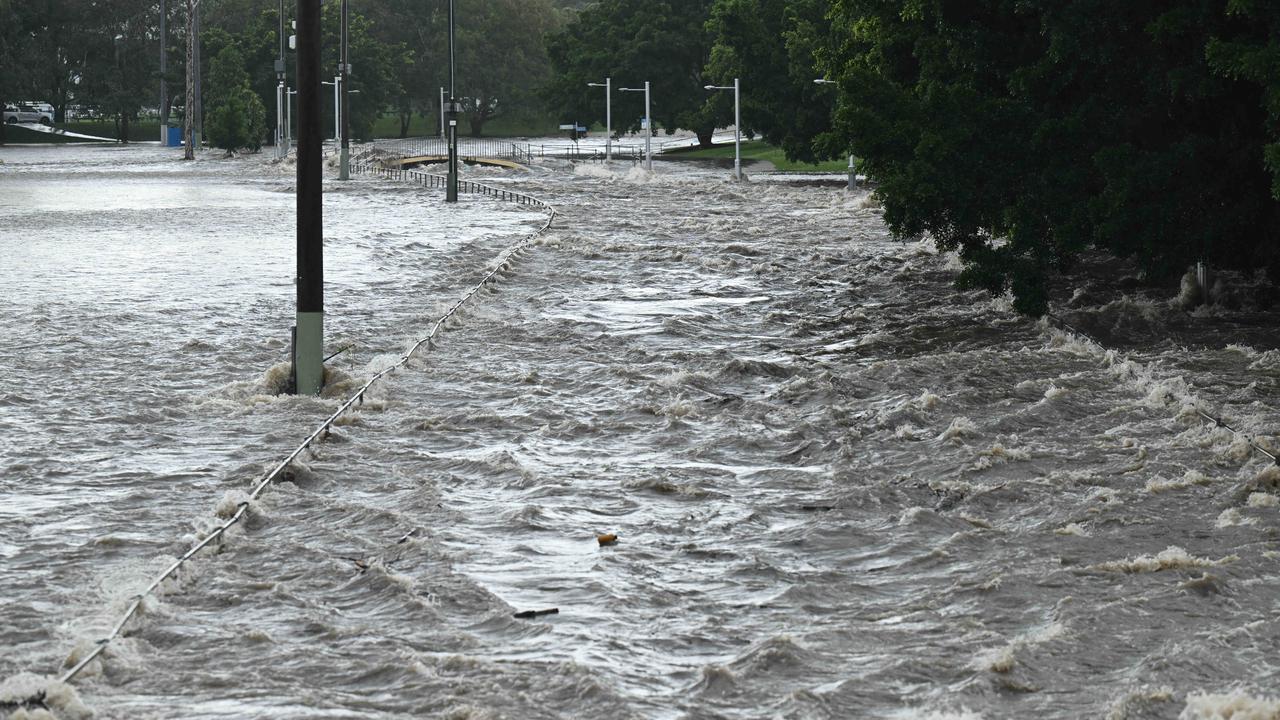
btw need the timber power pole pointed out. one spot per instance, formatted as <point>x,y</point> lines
<point>308,344</point>
<point>198,107</point>
<point>189,106</point>
<point>344,69</point>
<point>164,89</point>
<point>451,187</point>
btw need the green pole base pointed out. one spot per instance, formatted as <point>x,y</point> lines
<point>344,164</point>
<point>308,351</point>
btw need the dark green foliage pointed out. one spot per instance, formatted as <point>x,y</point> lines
<point>770,45</point>
<point>1022,132</point>
<point>236,118</point>
<point>631,41</point>
<point>373,67</point>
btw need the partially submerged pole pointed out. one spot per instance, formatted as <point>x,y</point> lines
<point>189,104</point>
<point>308,351</point>
<point>344,68</point>
<point>451,186</point>
<point>164,68</point>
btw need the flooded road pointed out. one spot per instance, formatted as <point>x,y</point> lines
<point>840,487</point>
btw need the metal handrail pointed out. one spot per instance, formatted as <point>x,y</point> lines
<point>366,164</point>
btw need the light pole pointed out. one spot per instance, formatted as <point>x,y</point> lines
<point>451,186</point>
<point>647,124</point>
<point>337,107</point>
<point>608,117</point>
<point>442,132</point>
<point>737,126</point>
<point>281,96</point>
<point>853,173</point>
<point>344,69</point>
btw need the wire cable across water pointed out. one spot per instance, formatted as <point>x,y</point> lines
<point>1215,419</point>
<point>323,428</point>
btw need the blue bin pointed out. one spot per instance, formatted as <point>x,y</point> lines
<point>175,136</point>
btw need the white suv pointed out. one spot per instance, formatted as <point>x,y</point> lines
<point>29,113</point>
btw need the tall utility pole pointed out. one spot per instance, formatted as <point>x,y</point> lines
<point>164,89</point>
<point>198,108</point>
<point>451,187</point>
<point>344,68</point>
<point>188,108</point>
<point>281,98</point>
<point>308,344</point>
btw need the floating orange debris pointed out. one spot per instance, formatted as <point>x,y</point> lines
<point>607,539</point>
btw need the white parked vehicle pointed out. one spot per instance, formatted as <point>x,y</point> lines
<point>29,113</point>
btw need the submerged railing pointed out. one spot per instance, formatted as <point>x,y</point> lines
<point>368,161</point>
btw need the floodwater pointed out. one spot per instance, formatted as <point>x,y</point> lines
<point>840,487</point>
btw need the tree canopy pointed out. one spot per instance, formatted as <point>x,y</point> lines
<point>237,118</point>
<point>631,41</point>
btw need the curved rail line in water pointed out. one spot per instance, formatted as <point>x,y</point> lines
<point>1215,419</point>
<point>366,164</point>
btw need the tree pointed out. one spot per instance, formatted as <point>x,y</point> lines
<point>372,76</point>
<point>111,58</point>
<point>770,46</point>
<point>238,119</point>
<point>664,42</point>
<point>501,57</point>
<point>1023,132</point>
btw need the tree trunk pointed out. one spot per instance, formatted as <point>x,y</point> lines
<point>405,119</point>
<point>476,120</point>
<point>704,138</point>
<point>124,129</point>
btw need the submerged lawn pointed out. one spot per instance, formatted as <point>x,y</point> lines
<point>760,150</point>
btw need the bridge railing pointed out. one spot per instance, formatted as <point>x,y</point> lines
<point>526,152</point>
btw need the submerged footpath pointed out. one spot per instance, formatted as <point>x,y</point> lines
<point>837,486</point>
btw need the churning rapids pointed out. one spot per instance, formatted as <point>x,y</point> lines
<point>841,488</point>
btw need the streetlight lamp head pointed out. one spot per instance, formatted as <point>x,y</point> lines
<point>708,87</point>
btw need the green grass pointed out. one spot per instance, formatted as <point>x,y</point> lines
<point>760,150</point>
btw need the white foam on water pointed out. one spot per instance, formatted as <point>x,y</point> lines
<point>1003,659</point>
<point>998,454</point>
<point>1233,705</point>
<point>1263,500</point>
<point>59,697</point>
<point>1190,478</point>
<point>1136,703</point>
<point>1267,360</point>
<point>1171,558</point>
<point>1232,517</point>
<point>1072,529</point>
<point>960,428</point>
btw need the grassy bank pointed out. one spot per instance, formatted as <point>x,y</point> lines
<point>763,151</point>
